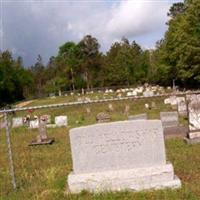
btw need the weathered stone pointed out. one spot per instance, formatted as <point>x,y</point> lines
<point>42,138</point>
<point>17,122</point>
<point>102,117</point>
<point>193,136</point>
<point>138,117</point>
<point>169,119</point>
<point>182,108</point>
<point>61,121</point>
<point>119,156</point>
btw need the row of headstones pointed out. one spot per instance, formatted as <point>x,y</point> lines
<point>169,119</point>
<point>146,90</point>
<point>59,121</point>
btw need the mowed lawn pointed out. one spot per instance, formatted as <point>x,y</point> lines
<point>41,171</point>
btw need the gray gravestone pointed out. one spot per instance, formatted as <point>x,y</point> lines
<point>119,155</point>
<point>42,138</point>
<point>138,117</point>
<point>169,119</point>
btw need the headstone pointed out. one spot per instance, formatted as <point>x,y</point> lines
<point>17,122</point>
<point>61,121</point>
<point>169,119</point>
<point>42,136</point>
<point>120,156</point>
<point>47,118</point>
<point>102,117</point>
<point>194,119</point>
<point>34,123</point>
<point>148,93</point>
<point>126,110</point>
<point>110,107</point>
<point>138,117</point>
<point>42,131</point>
<point>182,108</point>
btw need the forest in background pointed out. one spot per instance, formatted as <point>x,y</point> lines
<point>83,65</point>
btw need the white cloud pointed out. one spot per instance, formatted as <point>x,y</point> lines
<point>41,27</point>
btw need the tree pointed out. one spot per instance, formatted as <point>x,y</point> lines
<point>179,53</point>
<point>90,59</point>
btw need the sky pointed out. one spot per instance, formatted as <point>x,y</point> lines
<point>29,28</point>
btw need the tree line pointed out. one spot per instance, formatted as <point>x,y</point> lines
<point>83,65</point>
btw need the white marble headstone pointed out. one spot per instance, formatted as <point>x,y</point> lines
<point>61,121</point>
<point>17,122</point>
<point>34,123</point>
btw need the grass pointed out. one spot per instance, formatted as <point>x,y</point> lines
<point>41,171</point>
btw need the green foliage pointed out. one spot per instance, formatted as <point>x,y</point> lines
<point>14,79</point>
<point>179,52</point>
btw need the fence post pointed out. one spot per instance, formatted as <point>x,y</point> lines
<point>10,157</point>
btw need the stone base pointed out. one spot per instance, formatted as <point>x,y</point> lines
<point>131,179</point>
<point>46,141</point>
<point>193,137</point>
<point>192,141</point>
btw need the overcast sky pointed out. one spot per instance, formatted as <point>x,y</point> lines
<point>29,28</point>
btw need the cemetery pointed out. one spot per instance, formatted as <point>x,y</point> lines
<point>116,149</point>
<point>100,100</point>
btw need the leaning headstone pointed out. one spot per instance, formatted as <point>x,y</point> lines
<point>138,117</point>
<point>102,117</point>
<point>194,119</point>
<point>126,155</point>
<point>42,136</point>
<point>169,119</point>
<point>17,122</point>
<point>61,121</point>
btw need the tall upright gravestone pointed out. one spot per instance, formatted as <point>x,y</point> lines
<point>118,156</point>
<point>194,119</point>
